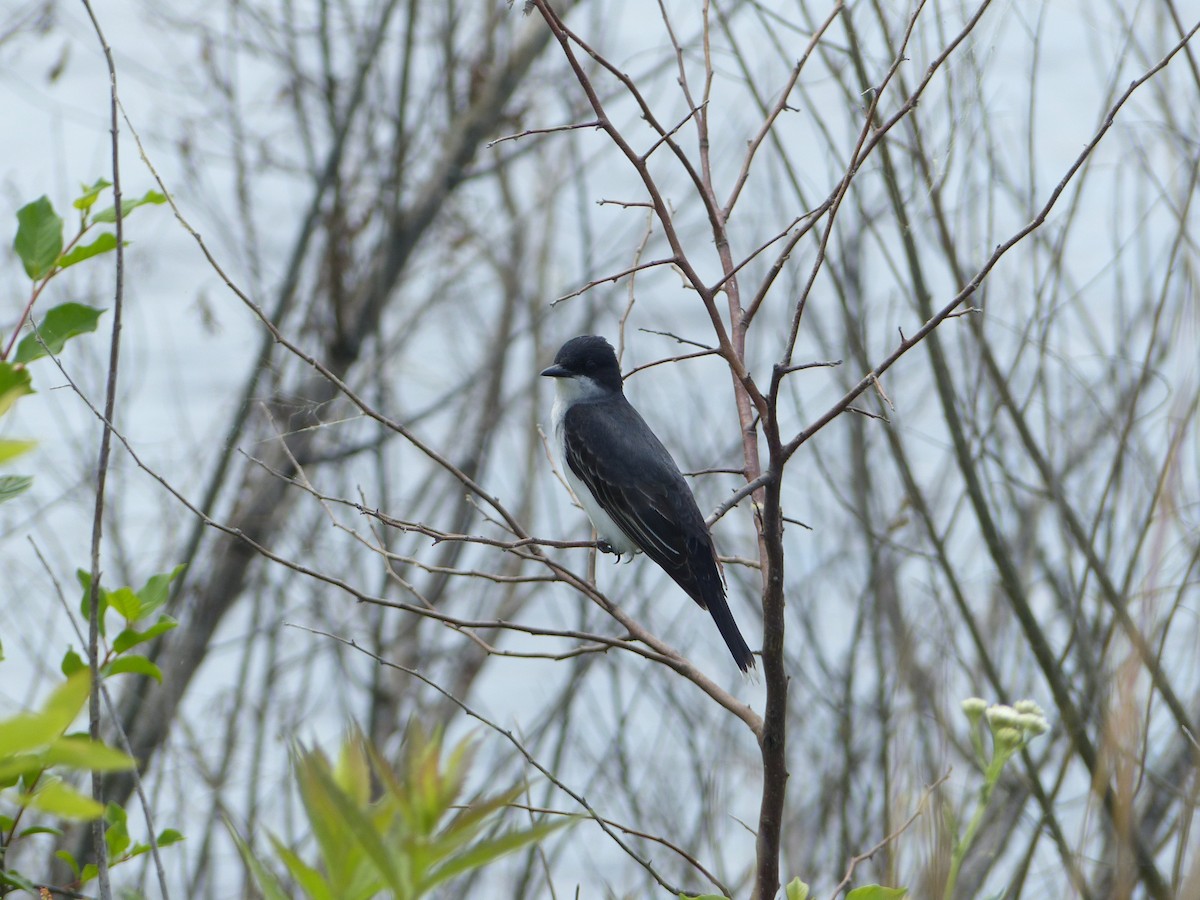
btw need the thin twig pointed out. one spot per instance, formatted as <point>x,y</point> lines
<point>973,285</point>
<point>670,359</point>
<point>99,847</point>
<point>667,261</point>
<point>863,857</point>
<point>530,131</point>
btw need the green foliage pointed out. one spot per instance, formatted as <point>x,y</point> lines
<point>90,194</point>
<point>34,746</point>
<point>413,837</point>
<point>132,606</point>
<point>35,749</point>
<point>39,237</point>
<point>103,244</point>
<point>57,327</point>
<point>796,890</point>
<point>120,847</point>
<point>39,244</point>
<point>150,198</point>
<point>13,486</point>
<point>876,892</point>
<point>14,384</point>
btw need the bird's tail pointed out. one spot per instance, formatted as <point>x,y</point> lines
<point>718,608</point>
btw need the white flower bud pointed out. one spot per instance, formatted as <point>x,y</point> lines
<point>1001,716</point>
<point>1008,737</point>
<point>1028,706</point>
<point>1032,723</point>
<point>974,707</point>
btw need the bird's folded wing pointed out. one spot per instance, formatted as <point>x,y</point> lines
<point>631,487</point>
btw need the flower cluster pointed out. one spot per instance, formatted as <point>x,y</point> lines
<point>1012,727</point>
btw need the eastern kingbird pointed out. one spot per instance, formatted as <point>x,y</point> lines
<point>628,484</point>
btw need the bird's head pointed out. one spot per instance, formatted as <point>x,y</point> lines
<point>586,365</point>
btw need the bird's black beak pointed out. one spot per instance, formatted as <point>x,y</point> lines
<point>556,371</point>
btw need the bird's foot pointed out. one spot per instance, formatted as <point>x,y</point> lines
<point>606,547</point>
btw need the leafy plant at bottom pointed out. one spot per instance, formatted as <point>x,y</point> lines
<point>414,836</point>
<point>34,748</point>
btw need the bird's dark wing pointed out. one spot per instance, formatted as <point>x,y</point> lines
<point>636,482</point>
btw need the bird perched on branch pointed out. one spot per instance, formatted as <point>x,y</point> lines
<point>628,483</point>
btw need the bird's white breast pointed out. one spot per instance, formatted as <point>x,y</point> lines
<point>566,392</point>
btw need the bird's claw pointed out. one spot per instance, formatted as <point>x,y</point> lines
<point>606,547</point>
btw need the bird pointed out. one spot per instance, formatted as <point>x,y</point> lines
<point>629,485</point>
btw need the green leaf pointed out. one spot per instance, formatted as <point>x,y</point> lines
<point>796,890</point>
<point>473,819</point>
<point>128,206</point>
<point>154,592</point>
<point>366,833</point>
<point>41,829</point>
<point>169,836</point>
<point>69,858</point>
<point>116,835</point>
<point>267,883</point>
<point>12,449</point>
<point>125,602</point>
<point>28,731</point>
<point>85,200</point>
<point>85,602</point>
<point>15,383</point>
<point>875,892</point>
<point>105,243</point>
<point>137,665</point>
<point>131,638</point>
<point>16,879</point>
<point>81,752</point>
<point>20,766</point>
<point>352,774</point>
<point>315,886</point>
<point>486,852</point>
<point>12,486</point>
<point>72,662</point>
<point>60,799</point>
<point>57,327</point>
<point>39,238</point>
